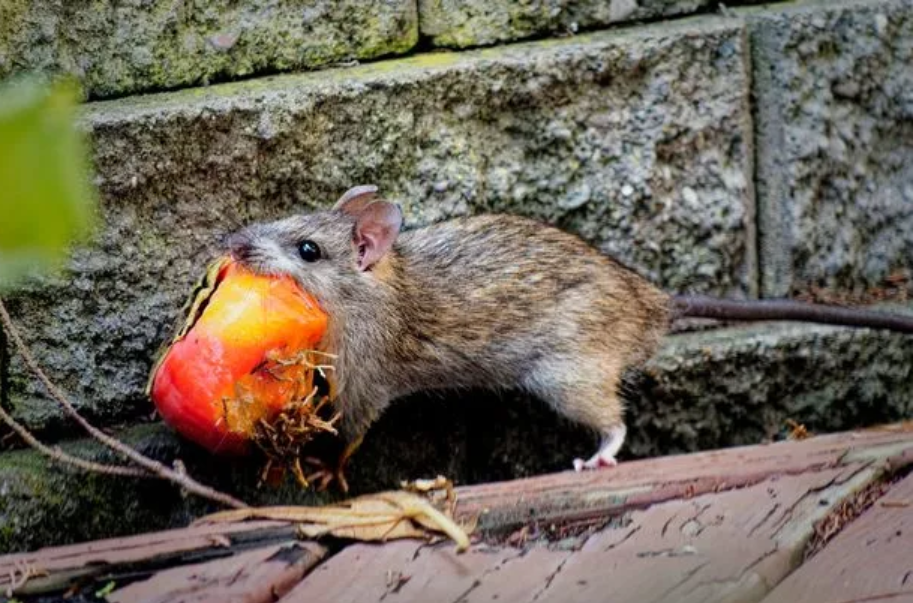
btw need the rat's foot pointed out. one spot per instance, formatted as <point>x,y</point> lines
<point>605,456</point>
<point>597,461</point>
<point>325,475</point>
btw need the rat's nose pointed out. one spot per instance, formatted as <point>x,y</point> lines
<point>240,246</point>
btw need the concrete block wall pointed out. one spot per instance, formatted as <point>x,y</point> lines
<point>593,133</point>
<point>751,151</point>
<point>834,133</point>
<point>119,48</point>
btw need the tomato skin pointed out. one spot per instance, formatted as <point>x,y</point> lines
<point>212,385</point>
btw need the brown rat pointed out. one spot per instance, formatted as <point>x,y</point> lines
<point>492,301</point>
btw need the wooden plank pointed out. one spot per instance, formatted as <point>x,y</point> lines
<point>361,572</point>
<point>728,546</point>
<point>418,573</point>
<point>53,568</point>
<point>870,560</point>
<point>731,546</point>
<point>259,576</point>
<point>570,496</point>
<point>559,497</point>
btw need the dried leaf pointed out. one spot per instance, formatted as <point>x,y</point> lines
<point>438,490</point>
<point>376,517</point>
<point>797,430</point>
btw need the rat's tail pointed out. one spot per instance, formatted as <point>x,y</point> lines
<point>698,306</point>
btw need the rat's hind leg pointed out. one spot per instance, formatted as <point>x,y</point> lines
<point>585,391</point>
<point>605,456</point>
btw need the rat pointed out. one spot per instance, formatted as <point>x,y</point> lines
<point>495,301</point>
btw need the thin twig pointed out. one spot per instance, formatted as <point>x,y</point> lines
<point>162,471</point>
<point>68,459</point>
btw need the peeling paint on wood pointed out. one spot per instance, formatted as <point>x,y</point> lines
<point>871,560</point>
<point>259,576</point>
<point>58,566</point>
<point>571,496</point>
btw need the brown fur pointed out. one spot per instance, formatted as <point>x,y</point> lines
<point>493,301</point>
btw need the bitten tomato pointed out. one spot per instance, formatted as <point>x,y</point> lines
<point>238,358</point>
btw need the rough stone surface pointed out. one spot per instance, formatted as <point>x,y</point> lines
<point>116,48</point>
<point>834,92</point>
<point>465,23</point>
<point>739,386</point>
<point>639,142</point>
<point>703,390</point>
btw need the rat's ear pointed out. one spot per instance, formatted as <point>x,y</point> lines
<point>356,199</point>
<point>375,230</point>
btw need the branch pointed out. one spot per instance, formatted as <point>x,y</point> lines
<point>67,459</point>
<point>154,467</point>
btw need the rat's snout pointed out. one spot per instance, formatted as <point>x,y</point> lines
<point>240,246</point>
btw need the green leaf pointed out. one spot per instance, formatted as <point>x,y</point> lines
<point>106,590</point>
<point>46,199</point>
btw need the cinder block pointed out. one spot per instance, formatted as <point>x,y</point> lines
<point>833,85</point>
<point>124,47</point>
<point>465,23</point>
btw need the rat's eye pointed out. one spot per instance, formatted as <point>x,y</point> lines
<point>309,251</point>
